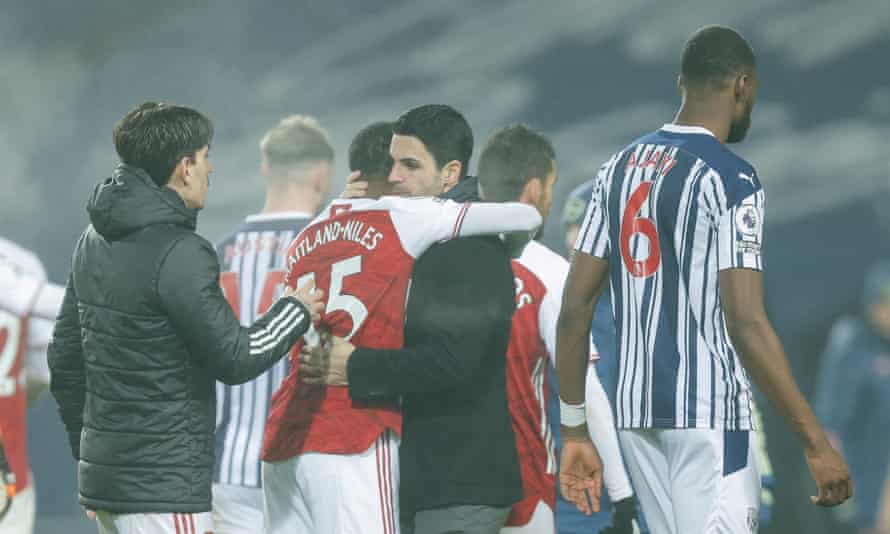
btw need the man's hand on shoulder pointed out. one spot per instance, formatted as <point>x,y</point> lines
<point>355,186</point>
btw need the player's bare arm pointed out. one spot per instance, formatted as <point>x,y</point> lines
<point>580,468</point>
<point>762,355</point>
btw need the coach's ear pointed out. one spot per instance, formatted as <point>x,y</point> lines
<point>450,174</point>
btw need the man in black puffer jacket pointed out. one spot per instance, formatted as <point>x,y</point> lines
<point>145,331</point>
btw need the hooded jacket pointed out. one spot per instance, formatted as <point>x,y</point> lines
<point>143,334</point>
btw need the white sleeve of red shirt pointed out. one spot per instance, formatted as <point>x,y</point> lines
<point>552,270</point>
<point>422,222</point>
<point>25,293</point>
<point>40,331</point>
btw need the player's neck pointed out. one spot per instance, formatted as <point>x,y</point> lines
<point>294,198</point>
<point>704,115</point>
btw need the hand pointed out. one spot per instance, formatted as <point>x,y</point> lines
<point>580,470</point>
<point>325,364</point>
<point>831,474</point>
<point>355,188</point>
<point>310,296</point>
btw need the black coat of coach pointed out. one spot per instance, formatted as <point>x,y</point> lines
<point>458,446</point>
<point>143,334</point>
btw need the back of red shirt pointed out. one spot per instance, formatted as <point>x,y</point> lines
<point>361,253</point>
<point>364,271</point>
<point>539,278</point>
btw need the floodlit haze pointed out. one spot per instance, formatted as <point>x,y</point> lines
<point>591,74</point>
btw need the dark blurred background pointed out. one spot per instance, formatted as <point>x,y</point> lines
<point>590,74</point>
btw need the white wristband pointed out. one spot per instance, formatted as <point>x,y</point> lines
<point>571,414</point>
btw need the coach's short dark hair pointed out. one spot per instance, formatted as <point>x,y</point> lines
<point>155,136</point>
<point>511,157</point>
<point>442,129</point>
<point>369,151</point>
<point>713,54</point>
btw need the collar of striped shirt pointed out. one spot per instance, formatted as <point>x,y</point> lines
<point>681,129</point>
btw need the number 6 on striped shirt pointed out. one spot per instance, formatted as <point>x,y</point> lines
<point>631,225</point>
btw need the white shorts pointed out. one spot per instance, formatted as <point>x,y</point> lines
<point>694,481</point>
<point>333,493</point>
<point>20,517</point>
<point>237,509</point>
<point>542,522</point>
<point>165,523</point>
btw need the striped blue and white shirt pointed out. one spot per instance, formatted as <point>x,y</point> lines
<point>252,267</point>
<point>669,212</point>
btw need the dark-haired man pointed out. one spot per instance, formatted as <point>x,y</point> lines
<point>330,459</point>
<point>296,160</point>
<point>676,221</point>
<point>519,164</point>
<point>145,330</point>
<point>459,465</point>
